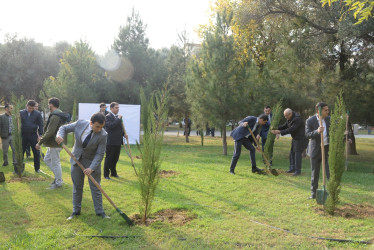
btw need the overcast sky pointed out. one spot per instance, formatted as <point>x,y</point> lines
<point>98,22</point>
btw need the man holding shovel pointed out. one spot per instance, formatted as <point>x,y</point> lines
<point>89,149</point>
<point>242,137</point>
<point>313,131</point>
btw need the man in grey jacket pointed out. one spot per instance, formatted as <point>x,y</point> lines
<point>89,149</point>
<point>6,135</point>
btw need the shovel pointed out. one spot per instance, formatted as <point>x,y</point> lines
<point>322,193</point>
<point>128,146</point>
<point>123,215</point>
<point>268,166</point>
<point>346,143</point>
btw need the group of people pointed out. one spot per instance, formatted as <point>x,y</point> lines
<point>102,134</point>
<point>303,134</point>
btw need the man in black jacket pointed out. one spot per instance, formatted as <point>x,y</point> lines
<point>6,135</point>
<point>294,126</point>
<point>32,129</point>
<point>114,128</point>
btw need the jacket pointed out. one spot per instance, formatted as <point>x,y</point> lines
<point>32,124</point>
<point>240,132</point>
<point>55,120</point>
<point>311,127</point>
<point>4,126</point>
<point>113,126</point>
<point>295,126</point>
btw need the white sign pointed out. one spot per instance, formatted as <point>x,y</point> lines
<point>130,113</point>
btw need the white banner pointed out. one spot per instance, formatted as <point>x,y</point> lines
<point>130,113</point>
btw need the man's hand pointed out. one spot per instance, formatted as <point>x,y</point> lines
<point>119,116</point>
<point>59,139</point>
<point>244,124</point>
<point>87,171</point>
<point>275,132</point>
<point>37,146</point>
<point>258,137</point>
<point>39,137</point>
<point>258,149</point>
<point>320,129</point>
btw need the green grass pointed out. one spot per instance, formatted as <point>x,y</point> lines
<point>228,209</point>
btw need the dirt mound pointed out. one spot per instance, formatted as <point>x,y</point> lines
<point>352,211</point>
<point>167,173</point>
<point>173,216</point>
<point>26,179</point>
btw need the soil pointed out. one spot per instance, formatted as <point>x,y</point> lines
<point>167,173</point>
<point>177,217</point>
<point>26,179</point>
<point>352,211</point>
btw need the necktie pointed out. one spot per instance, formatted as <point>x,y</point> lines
<point>85,142</point>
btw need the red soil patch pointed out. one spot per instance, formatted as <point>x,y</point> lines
<point>173,216</point>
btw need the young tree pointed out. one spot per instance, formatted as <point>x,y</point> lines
<point>153,114</point>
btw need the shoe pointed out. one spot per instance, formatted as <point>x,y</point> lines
<point>313,196</point>
<point>296,174</point>
<point>117,176</point>
<point>108,178</point>
<point>54,186</point>
<point>103,215</point>
<point>38,171</point>
<point>232,172</point>
<point>290,171</point>
<point>73,214</point>
<point>257,170</point>
<point>5,164</point>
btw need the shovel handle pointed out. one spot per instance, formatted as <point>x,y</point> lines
<point>128,146</point>
<point>322,148</point>
<point>258,145</point>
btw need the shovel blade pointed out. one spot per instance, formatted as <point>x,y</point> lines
<point>321,196</point>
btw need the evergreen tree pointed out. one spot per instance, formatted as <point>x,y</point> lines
<point>277,116</point>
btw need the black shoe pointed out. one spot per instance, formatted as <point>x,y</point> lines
<point>117,176</point>
<point>296,174</point>
<point>103,215</point>
<point>257,170</point>
<point>73,214</point>
<point>5,164</point>
<point>232,172</point>
<point>107,177</point>
<point>290,171</point>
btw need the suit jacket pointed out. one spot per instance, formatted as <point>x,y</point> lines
<point>33,123</point>
<point>296,128</point>
<point>240,132</point>
<point>113,126</point>
<point>93,153</point>
<point>311,127</point>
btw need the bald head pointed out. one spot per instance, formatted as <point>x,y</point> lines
<point>287,113</point>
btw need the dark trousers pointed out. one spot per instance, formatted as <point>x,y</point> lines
<point>111,159</point>
<point>32,139</point>
<point>315,163</point>
<point>295,161</point>
<point>247,143</point>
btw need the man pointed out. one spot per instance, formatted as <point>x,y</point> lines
<point>52,157</point>
<point>115,132</point>
<point>89,149</point>
<point>6,126</point>
<point>242,136</point>
<point>294,125</point>
<point>32,128</point>
<point>313,132</point>
<point>265,129</point>
<point>103,109</point>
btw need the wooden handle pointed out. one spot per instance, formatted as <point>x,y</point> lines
<point>322,149</point>
<point>89,176</point>
<point>258,145</point>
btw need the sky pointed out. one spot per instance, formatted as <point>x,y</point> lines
<point>98,22</point>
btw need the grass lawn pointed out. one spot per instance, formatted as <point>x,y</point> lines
<point>242,211</point>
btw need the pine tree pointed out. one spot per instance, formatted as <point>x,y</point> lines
<point>336,154</point>
<point>269,144</point>
<point>18,105</point>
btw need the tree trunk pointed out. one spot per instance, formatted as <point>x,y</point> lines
<point>351,146</point>
<point>186,128</point>
<point>224,140</point>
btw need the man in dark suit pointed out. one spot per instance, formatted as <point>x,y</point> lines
<point>32,129</point>
<point>265,129</point>
<point>242,136</point>
<point>294,126</point>
<point>89,149</point>
<point>103,109</point>
<point>115,132</point>
<point>313,132</point>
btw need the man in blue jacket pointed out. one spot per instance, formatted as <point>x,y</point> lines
<point>242,136</point>
<point>32,129</point>
<point>265,129</point>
